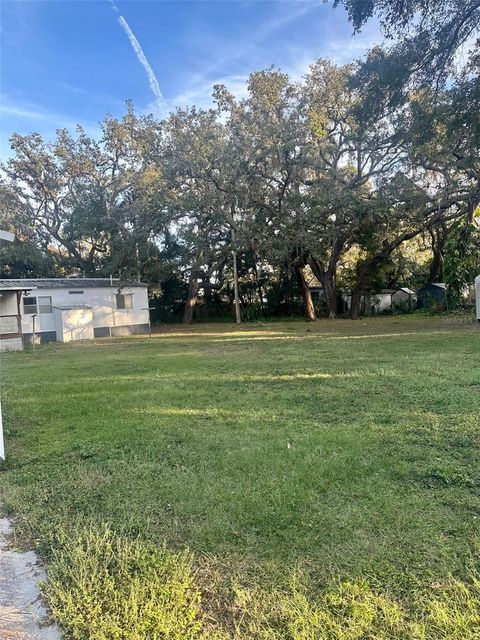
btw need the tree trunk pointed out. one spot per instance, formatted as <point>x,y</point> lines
<point>88,268</point>
<point>193,288</point>
<point>192,298</point>
<point>257,282</point>
<point>364,278</point>
<point>329,286</point>
<point>238,316</point>
<point>355,303</point>
<point>438,236</point>
<point>306,295</point>
<point>327,280</point>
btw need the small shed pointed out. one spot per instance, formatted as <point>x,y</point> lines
<point>375,303</point>
<point>433,294</point>
<point>385,301</point>
<point>404,299</point>
<point>74,322</point>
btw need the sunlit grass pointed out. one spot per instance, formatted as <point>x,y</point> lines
<point>341,455</point>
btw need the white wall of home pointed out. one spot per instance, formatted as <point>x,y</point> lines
<point>8,303</point>
<point>101,299</point>
<point>9,321</point>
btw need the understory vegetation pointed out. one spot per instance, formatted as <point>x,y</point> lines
<point>283,481</point>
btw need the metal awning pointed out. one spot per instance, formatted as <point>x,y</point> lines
<point>15,287</point>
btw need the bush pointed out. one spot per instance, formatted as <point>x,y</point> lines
<point>106,587</point>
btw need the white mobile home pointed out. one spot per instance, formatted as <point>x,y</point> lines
<point>65,309</point>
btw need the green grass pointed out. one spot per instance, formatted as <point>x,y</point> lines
<point>325,477</point>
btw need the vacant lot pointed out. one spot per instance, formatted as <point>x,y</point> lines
<point>325,479</point>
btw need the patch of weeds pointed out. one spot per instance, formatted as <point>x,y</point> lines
<point>446,476</point>
<point>349,611</point>
<point>454,613</point>
<point>355,610</point>
<point>102,586</point>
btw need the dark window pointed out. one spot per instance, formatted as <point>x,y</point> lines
<point>42,304</point>
<point>30,306</point>
<point>124,300</point>
<point>75,293</point>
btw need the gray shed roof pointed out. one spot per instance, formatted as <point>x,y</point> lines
<point>405,290</point>
<point>71,307</point>
<point>66,283</point>
<point>438,285</point>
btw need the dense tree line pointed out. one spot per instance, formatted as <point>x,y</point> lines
<point>350,176</point>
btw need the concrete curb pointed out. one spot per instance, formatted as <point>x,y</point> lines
<point>22,613</point>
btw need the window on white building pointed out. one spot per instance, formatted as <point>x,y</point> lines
<point>124,300</point>
<point>42,304</point>
<point>76,292</point>
<point>30,306</point>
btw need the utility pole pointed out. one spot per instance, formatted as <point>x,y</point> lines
<point>8,237</point>
<point>235,280</point>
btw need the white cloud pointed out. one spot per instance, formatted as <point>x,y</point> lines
<point>199,88</point>
<point>141,57</point>
<point>37,114</point>
<point>238,59</point>
<point>71,87</point>
<point>26,117</point>
<point>262,33</point>
<point>152,80</point>
<point>200,94</point>
<point>342,51</point>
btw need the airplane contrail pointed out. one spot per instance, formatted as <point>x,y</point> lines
<point>152,79</point>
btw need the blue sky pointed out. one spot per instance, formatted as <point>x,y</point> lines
<point>72,61</point>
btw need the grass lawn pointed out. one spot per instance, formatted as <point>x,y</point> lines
<point>325,479</point>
